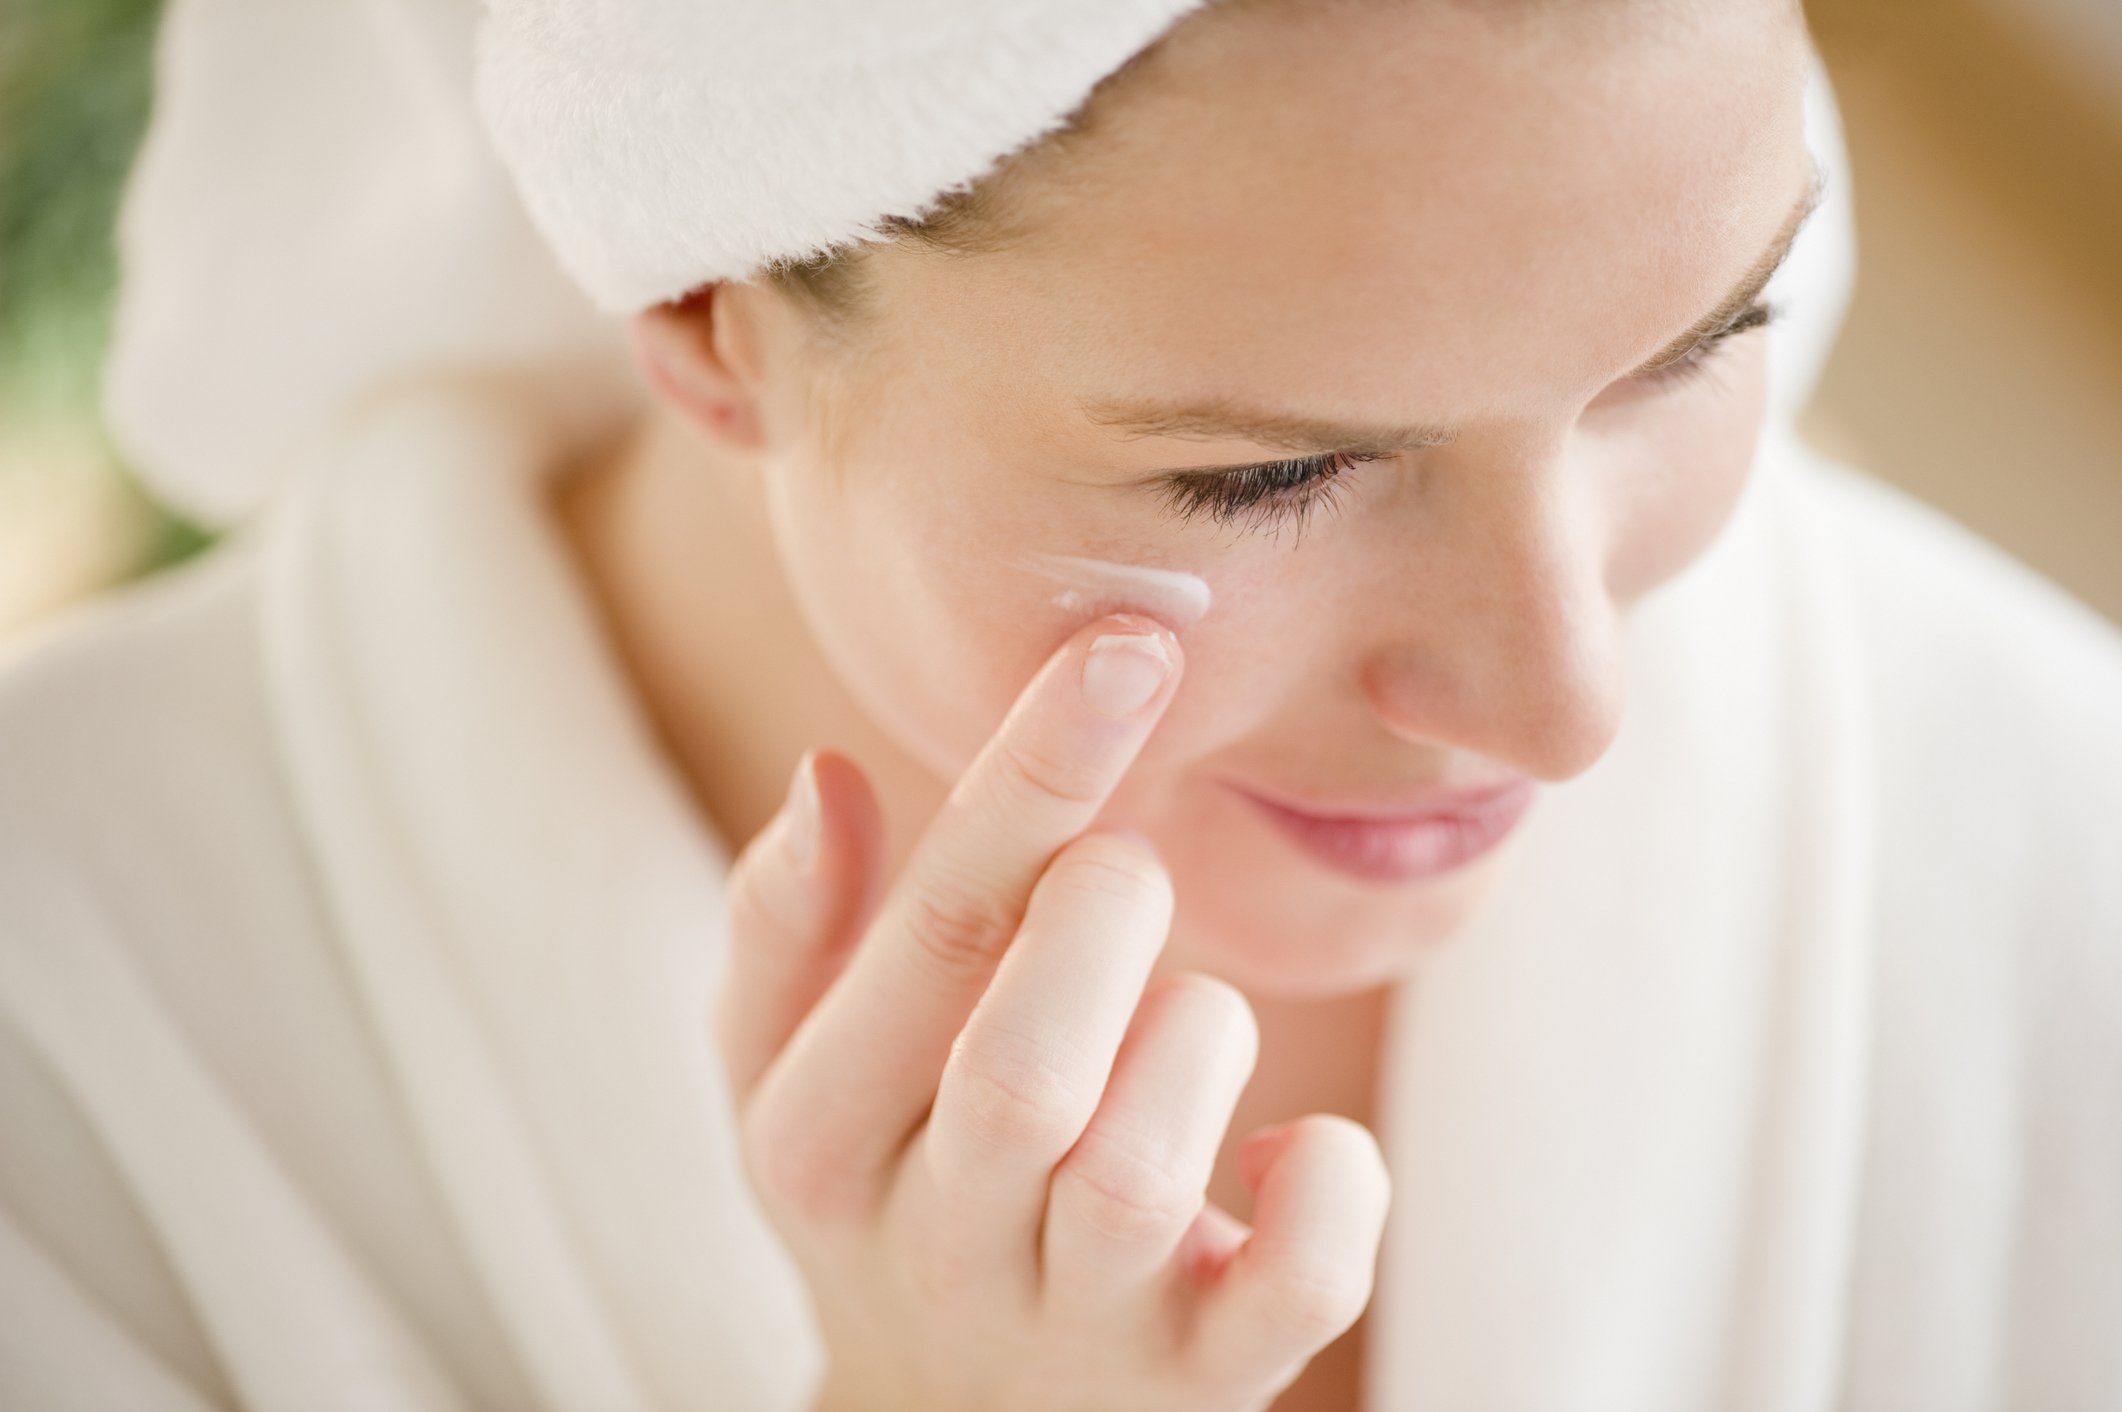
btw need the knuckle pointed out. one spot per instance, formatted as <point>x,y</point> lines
<point>1115,866</point>
<point>1317,1302</point>
<point>1025,770</point>
<point>795,1172</point>
<point>1013,1104</point>
<point>1223,1006</point>
<point>958,930</point>
<point>1126,1195</point>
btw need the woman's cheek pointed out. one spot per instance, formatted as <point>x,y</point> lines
<point>1683,470</point>
<point>1020,588</point>
<point>935,591</point>
<point>888,577</point>
<point>936,594</point>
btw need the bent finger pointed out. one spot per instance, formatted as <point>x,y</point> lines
<point>1030,1066</point>
<point>1040,781</point>
<point>1132,1188</point>
<point>1307,1272</point>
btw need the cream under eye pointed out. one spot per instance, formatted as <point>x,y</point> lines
<point>1264,496</point>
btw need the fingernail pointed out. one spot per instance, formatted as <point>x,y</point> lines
<point>1122,671</point>
<point>803,814</point>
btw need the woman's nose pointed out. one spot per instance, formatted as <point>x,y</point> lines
<point>1514,650</point>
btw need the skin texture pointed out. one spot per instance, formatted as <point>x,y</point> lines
<point>1478,216</point>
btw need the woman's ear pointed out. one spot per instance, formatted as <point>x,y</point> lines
<point>697,355</point>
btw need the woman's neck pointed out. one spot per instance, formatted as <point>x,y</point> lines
<point>675,548</point>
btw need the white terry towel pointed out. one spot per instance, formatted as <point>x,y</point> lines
<point>660,144</point>
<point>356,942</point>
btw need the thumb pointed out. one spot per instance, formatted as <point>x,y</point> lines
<point>799,895</point>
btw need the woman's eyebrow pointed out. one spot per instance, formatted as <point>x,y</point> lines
<point>1222,420</point>
<point>1750,285</point>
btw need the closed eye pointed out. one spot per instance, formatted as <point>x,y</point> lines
<point>1270,494</point>
<point>1692,365</point>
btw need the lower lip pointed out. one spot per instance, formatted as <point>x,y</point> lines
<point>1401,850</point>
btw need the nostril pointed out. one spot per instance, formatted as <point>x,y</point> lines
<point>1549,713</point>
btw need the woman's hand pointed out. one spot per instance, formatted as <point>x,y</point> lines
<point>984,1143</point>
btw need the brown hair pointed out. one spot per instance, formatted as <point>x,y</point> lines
<point>832,286</point>
<point>982,216</point>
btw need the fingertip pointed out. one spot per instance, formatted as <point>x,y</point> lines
<point>844,788</point>
<point>1366,1153</point>
<point>1260,1150</point>
<point>1125,847</point>
<point>1329,1143</point>
<point>1128,663</point>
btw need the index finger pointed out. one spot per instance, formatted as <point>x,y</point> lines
<point>1040,780</point>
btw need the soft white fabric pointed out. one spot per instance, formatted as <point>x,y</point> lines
<point>660,144</point>
<point>316,216</point>
<point>350,916</point>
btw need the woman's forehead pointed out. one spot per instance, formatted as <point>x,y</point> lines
<point>1366,189</point>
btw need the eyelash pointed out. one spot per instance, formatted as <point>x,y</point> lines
<point>1270,495</point>
<point>1275,494</point>
<point>1755,315</point>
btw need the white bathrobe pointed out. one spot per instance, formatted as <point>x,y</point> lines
<point>357,948</point>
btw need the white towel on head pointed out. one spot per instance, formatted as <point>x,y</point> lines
<point>661,144</point>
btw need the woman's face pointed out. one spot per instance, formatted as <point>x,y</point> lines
<point>1450,236</point>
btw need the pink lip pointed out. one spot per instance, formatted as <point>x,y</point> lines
<point>1446,831</point>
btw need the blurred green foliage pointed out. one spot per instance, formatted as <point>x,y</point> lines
<point>74,87</point>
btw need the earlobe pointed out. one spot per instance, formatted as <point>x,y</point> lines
<point>676,348</point>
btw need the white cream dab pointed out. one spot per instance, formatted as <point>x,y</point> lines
<point>1179,599</point>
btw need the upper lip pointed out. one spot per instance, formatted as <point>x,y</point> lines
<point>1400,806</point>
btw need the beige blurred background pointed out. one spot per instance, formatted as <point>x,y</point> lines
<point>1980,368</point>
<point>1981,364</point>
